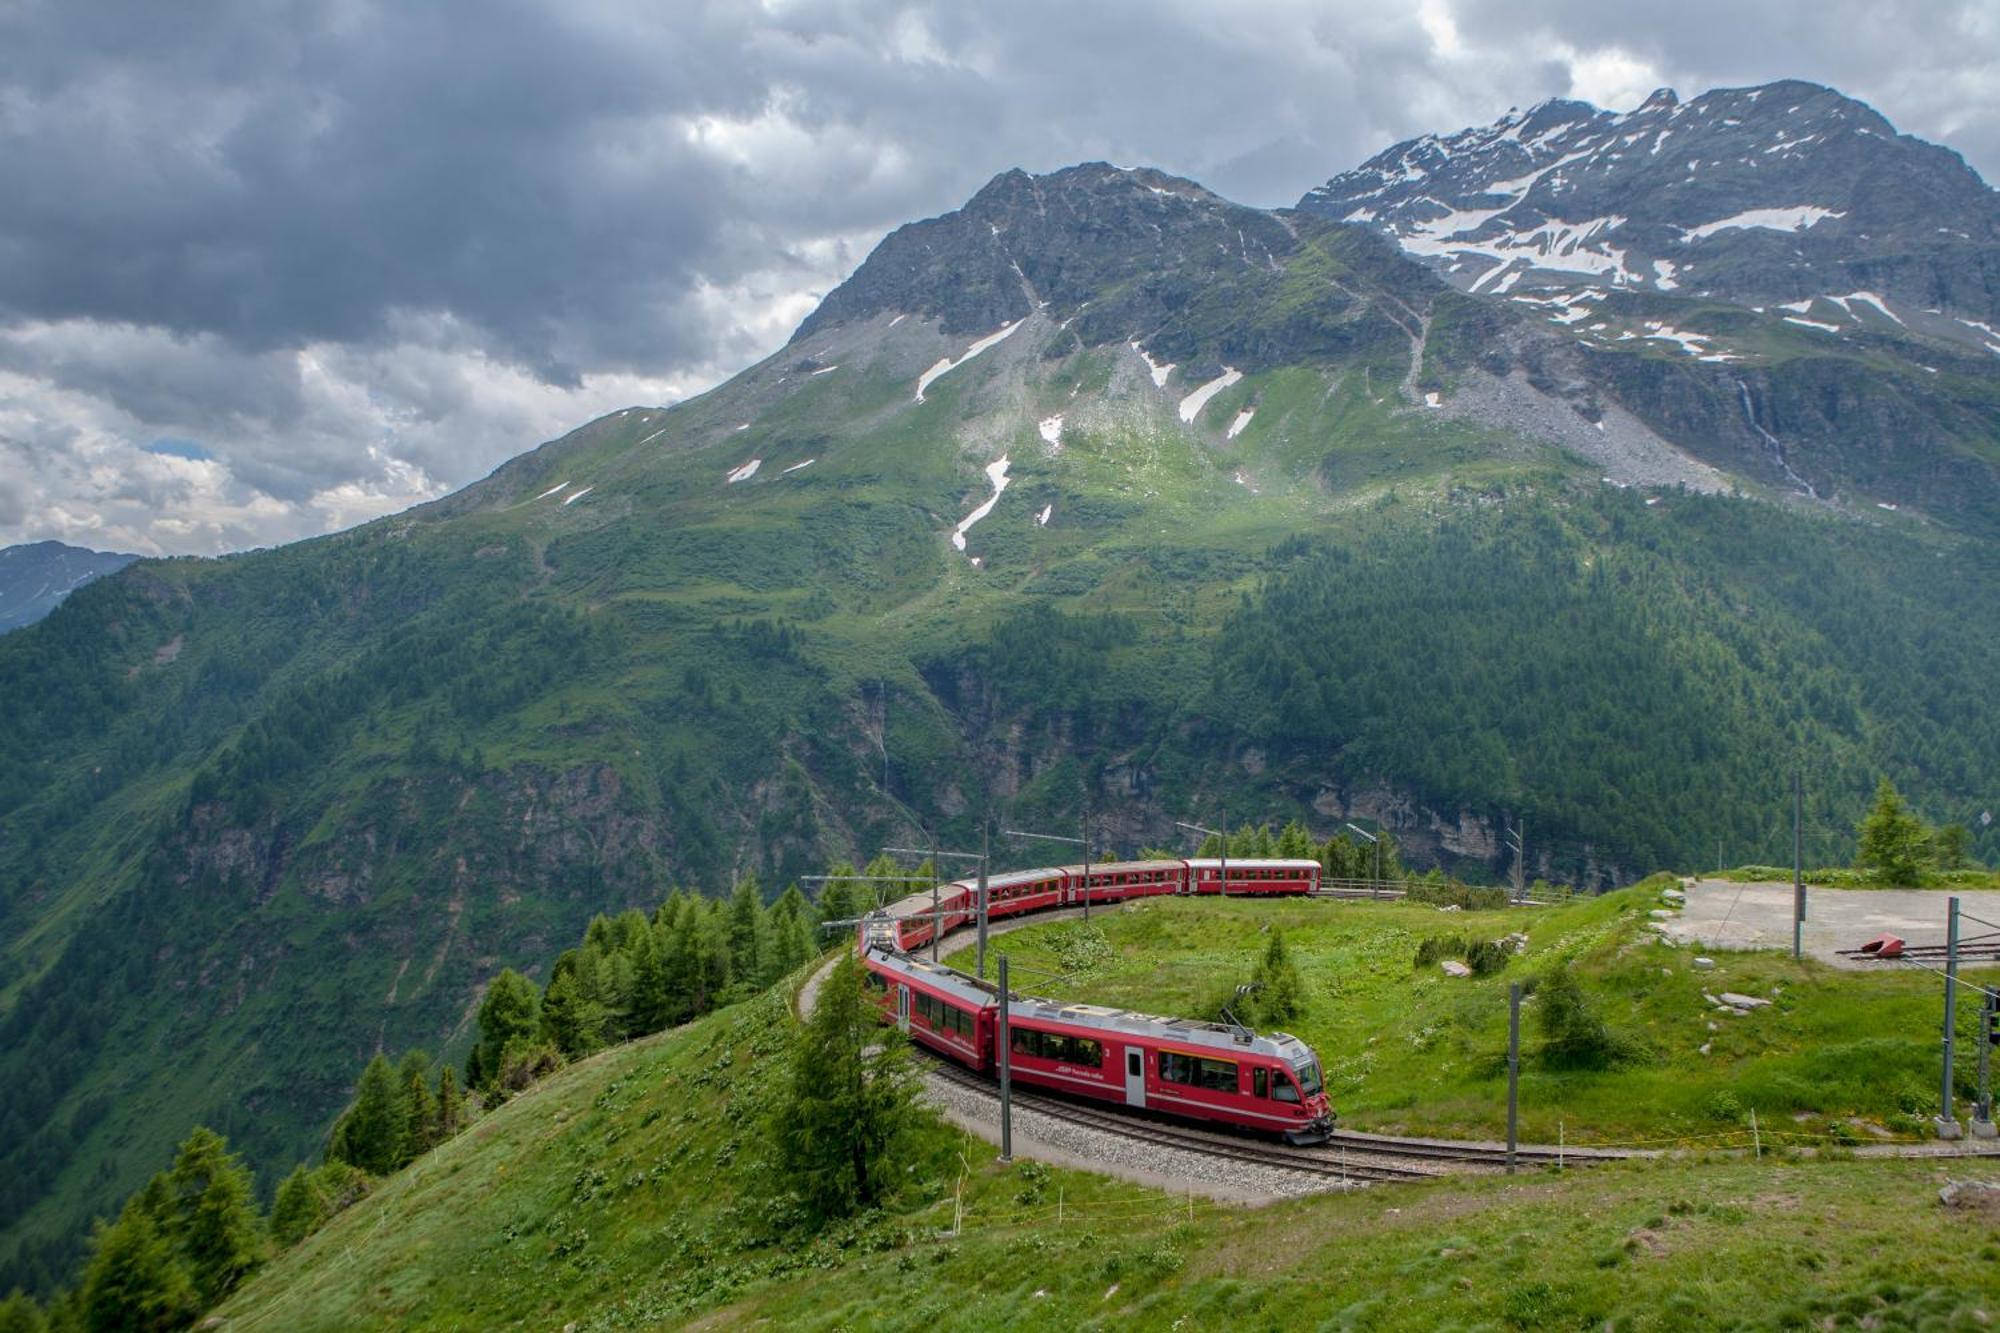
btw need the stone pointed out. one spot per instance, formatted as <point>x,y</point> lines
<point>1731,998</point>
<point>1660,914</point>
<point>1714,1026</point>
<point>1706,1046</point>
<point>1704,964</point>
<point>1453,968</point>
<point>1984,1129</point>
<point>1674,896</point>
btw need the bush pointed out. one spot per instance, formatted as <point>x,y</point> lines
<point>1466,897</point>
<point>1573,1035</point>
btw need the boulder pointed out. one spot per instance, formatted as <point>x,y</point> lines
<point>1704,964</point>
<point>1735,1001</point>
<point>1453,968</point>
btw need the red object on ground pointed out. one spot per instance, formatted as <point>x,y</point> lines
<point>1884,946</point>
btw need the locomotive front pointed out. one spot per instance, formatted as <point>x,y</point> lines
<point>1312,1088</point>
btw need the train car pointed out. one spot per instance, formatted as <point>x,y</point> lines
<point>1118,881</point>
<point>1192,1070</point>
<point>1253,876</point>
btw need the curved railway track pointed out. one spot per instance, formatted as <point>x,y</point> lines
<point>1363,1161</point>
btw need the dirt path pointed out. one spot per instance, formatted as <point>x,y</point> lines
<point>1721,915</point>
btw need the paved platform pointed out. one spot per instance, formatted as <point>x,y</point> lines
<point>1721,915</point>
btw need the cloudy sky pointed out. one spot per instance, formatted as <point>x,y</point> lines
<point>274,267</point>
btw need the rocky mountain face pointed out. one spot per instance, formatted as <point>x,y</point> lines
<point>1787,195</point>
<point>34,578</point>
<point>1101,491</point>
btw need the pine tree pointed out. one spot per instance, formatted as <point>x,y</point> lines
<point>746,931</point>
<point>511,1009</point>
<point>214,1216</point>
<point>450,1106</point>
<point>370,1136</point>
<point>19,1314</point>
<point>299,1208</point>
<point>1895,845</point>
<point>420,1114</point>
<point>135,1281</point>
<point>571,1020</point>
<point>1281,992</point>
<point>1295,843</point>
<point>842,1115</point>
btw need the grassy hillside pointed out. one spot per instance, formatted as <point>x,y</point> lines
<point>261,815</point>
<point>623,1193</point>
<point>1838,1057</point>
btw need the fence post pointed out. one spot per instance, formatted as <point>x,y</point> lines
<point>1513,1072</point>
<point>1947,1123</point>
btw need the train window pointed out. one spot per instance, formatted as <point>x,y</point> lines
<point>874,982</point>
<point>1133,1064</point>
<point>1259,1081</point>
<point>1309,1078</point>
<point>1054,1046</point>
<point>1284,1090</point>
<point>1196,1072</point>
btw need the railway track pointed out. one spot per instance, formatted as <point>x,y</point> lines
<point>1361,1162</point>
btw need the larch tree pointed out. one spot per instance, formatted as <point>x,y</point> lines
<point>214,1215</point>
<point>1894,843</point>
<point>843,1111</point>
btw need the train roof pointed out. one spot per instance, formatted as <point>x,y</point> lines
<point>1255,862</point>
<point>1218,1037</point>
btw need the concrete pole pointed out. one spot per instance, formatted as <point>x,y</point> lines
<point>1513,1072</point>
<point>1085,830</point>
<point>1947,1124</point>
<point>1798,866</point>
<point>1006,1070</point>
<point>985,851</point>
<point>1982,1110</point>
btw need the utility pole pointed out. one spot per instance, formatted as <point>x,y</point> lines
<point>1517,838</point>
<point>1222,840</point>
<point>1513,1072</point>
<point>1085,831</point>
<point>1947,1124</point>
<point>1798,864</point>
<point>1982,1110</point>
<point>985,850</point>
<point>1375,886</point>
<point>1006,1070</point>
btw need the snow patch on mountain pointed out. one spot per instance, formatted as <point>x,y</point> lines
<point>552,490</point>
<point>1051,429</point>
<point>1192,404</point>
<point>947,364</point>
<point>572,499</point>
<point>745,472</point>
<point>1797,218</point>
<point>1242,420</point>
<point>1159,371</point>
<point>996,472</point>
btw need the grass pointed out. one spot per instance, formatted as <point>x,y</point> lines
<point>1836,1057</point>
<point>623,1193</point>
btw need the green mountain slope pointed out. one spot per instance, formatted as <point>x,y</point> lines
<point>261,815</point>
<point>625,1193</point>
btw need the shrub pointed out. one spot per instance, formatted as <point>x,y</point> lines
<point>1573,1035</point>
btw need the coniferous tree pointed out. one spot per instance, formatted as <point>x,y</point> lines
<point>746,932</point>
<point>370,1135</point>
<point>19,1314</point>
<point>1894,843</point>
<point>843,1112</point>
<point>1295,843</point>
<point>510,1011</point>
<point>214,1217</point>
<point>420,1115</point>
<point>299,1208</point>
<point>1280,996</point>
<point>136,1282</point>
<point>571,1021</point>
<point>450,1106</point>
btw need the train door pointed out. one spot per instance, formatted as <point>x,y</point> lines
<point>903,1009</point>
<point>1135,1076</point>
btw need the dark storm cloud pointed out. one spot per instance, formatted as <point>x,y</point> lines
<point>363,251</point>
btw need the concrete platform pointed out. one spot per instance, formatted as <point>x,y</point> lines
<point>1721,915</point>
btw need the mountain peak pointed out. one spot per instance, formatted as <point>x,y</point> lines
<point>1056,241</point>
<point>1769,194</point>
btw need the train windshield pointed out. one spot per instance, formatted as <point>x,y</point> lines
<point>1309,1081</point>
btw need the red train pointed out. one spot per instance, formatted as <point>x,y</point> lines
<point>1201,1071</point>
